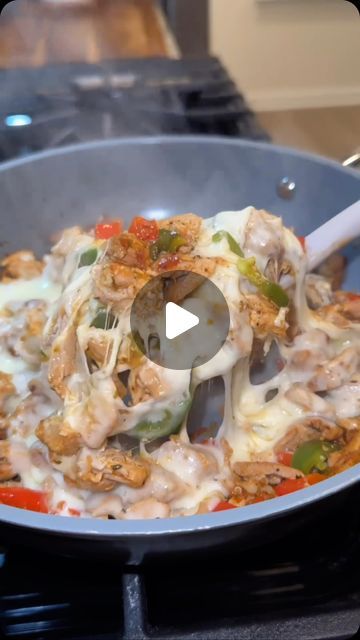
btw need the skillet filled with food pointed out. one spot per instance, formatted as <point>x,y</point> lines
<point>99,440</point>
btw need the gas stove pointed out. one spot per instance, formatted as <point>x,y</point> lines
<point>305,586</point>
<point>72,103</point>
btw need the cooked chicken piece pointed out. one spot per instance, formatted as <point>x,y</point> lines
<point>7,389</point>
<point>182,285</point>
<point>128,250</point>
<point>105,505</point>
<point>318,291</point>
<point>263,234</point>
<point>308,349</point>
<point>66,241</point>
<point>333,269</point>
<point>197,264</point>
<point>346,399</point>
<point>29,343</point>
<point>144,383</point>
<point>312,428</point>
<point>21,264</point>
<point>103,470</point>
<point>146,509</point>
<point>309,401</point>
<point>259,478</point>
<point>7,471</point>
<point>264,317</point>
<point>62,360</point>
<point>347,456</point>
<point>191,463</point>
<point>58,436</point>
<point>334,373</point>
<point>349,305</point>
<point>117,284</point>
<point>99,348</point>
<point>261,469</point>
<point>187,225</point>
<point>341,315</point>
<point>349,423</point>
<point>276,268</point>
<point>27,414</point>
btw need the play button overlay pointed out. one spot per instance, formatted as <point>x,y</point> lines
<point>180,320</point>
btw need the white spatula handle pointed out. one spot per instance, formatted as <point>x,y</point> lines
<point>333,235</point>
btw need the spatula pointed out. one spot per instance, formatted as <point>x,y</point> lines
<point>333,235</point>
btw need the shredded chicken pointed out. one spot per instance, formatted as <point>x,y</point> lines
<point>7,389</point>
<point>128,250</point>
<point>264,316</point>
<point>103,470</point>
<point>58,436</point>
<point>336,371</point>
<point>117,284</point>
<point>144,384</point>
<point>21,264</point>
<point>62,360</point>
<point>7,471</point>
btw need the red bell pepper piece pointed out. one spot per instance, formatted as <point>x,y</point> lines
<point>144,229</point>
<point>169,262</point>
<point>107,230</point>
<point>223,505</point>
<point>290,485</point>
<point>352,296</point>
<point>285,457</point>
<point>24,499</point>
<point>302,241</point>
<point>314,478</point>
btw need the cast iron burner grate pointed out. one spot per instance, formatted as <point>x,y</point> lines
<point>305,587</point>
<point>72,103</point>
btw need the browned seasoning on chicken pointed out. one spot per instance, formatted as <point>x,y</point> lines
<point>103,470</point>
<point>58,436</point>
<point>128,250</point>
<point>62,360</point>
<point>186,225</point>
<point>21,264</point>
<point>7,389</point>
<point>263,314</point>
<point>7,471</point>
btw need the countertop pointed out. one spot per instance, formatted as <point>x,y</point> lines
<point>34,33</point>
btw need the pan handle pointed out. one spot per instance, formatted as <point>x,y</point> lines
<point>352,161</point>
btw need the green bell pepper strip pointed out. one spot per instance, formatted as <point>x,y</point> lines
<point>168,241</point>
<point>272,290</point>
<point>148,430</point>
<point>104,320</point>
<point>88,257</point>
<point>313,455</point>
<point>233,245</point>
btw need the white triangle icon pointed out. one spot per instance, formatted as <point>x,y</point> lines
<point>178,320</point>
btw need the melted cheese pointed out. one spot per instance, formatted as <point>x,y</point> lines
<point>22,290</point>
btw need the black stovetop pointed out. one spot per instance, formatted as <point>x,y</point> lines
<point>305,586</point>
<point>71,103</point>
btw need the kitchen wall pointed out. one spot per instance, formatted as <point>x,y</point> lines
<point>288,54</point>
